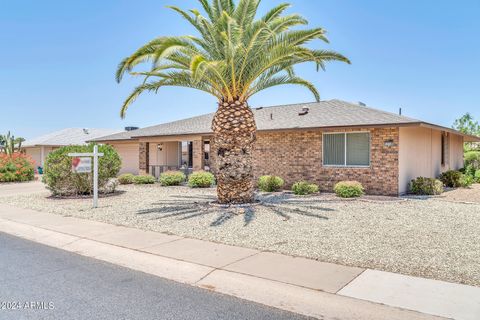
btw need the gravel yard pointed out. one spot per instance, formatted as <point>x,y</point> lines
<point>427,237</point>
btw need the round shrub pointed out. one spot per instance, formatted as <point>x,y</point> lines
<point>451,178</point>
<point>15,168</point>
<point>348,189</point>
<point>144,179</point>
<point>172,178</point>
<point>60,179</point>
<point>426,186</point>
<point>304,188</point>
<point>201,179</point>
<point>270,183</point>
<point>126,178</point>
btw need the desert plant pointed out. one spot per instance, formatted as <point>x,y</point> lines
<point>426,186</point>
<point>466,180</point>
<point>348,189</point>
<point>235,56</point>
<point>270,183</point>
<point>126,178</point>
<point>62,181</point>
<point>16,167</point>
<point>144,179</point>
<point>304,188</point>
<point>472,158</point>
<point>451,178</point>
<point>477,176</point>
<point>172,178</point>
<point>9,144</point>
<point>201,179</point>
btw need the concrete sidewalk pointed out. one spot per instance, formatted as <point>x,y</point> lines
<point>318,289</point>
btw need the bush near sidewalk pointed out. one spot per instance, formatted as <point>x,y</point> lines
<point>17,167</point>
<point>172,178</point>
<point>126,178</point>
<point>144,179</point>
<point>426,186</point>
<point>348,189</point>
<point>62,181</point>
<point>270,183</point>
<point>304,188</point>
<point>201,179</point>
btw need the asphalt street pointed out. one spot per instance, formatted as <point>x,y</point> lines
<point>40,282</point>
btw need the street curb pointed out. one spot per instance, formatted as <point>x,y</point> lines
<point>297,299</point>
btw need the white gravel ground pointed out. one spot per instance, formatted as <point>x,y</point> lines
<point>430,238</point>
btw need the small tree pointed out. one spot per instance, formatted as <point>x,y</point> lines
<point>467,124</point>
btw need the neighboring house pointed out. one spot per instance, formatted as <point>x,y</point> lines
<point>323,142</point>
<point>39,148</point>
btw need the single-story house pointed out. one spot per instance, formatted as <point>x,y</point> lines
<point>38,148</point>
<point>322,142</point>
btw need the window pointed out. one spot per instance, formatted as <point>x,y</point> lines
<point>346,149</point>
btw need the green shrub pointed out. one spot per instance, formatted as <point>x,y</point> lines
<point>144,179</point>
<point>201,179</point>
<point>470,170</point>
<point>477,176</point>
<point>472,158</point>
<point>270,183</point>
<point>426,186</point>
<point>348,189</point>
<point>303,188</point>
<point>60,179</point>
<point>451,178</point>
<point>172,178</point>
<point>16,167</point>
<point>466,181</point>
<point>126,178</point>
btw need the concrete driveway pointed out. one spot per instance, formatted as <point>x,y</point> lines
<point>13,189</point>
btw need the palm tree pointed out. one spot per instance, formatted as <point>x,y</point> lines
<point>235,56</point>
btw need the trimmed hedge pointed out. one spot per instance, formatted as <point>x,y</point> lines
<point>60,179</point>
<point>172,178</point>
<point>304,188</point>
<point>201,179</point>
<point>16,168</point>
<point>348,189</point>
<point>270,183</point>
<point>126,178</point>
<point>426,186</point>
<point>144,179</point>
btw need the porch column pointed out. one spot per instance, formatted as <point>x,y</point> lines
<point>42,156</point>
<point>144,150</point>
<point>198,155</point>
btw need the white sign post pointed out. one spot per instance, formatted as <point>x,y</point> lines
<point>82,163</point>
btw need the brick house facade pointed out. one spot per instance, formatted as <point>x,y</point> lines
<point>297,155</point>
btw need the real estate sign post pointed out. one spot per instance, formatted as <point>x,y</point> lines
<point>82,163</point>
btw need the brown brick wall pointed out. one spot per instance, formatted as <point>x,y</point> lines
<point>297,155</point>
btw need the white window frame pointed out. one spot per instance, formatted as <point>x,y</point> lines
<point>345,156</point>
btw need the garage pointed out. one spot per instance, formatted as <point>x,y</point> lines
<point>128,152</point>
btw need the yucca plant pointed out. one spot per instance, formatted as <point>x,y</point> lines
<point>235,56</point>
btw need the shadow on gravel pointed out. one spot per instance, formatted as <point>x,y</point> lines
<point>284,206</point>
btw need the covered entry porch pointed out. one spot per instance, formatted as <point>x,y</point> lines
<point>184,153</point>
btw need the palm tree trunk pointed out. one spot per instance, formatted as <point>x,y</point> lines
<point>234,134</point>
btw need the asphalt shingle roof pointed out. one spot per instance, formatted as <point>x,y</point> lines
<point>68,136</point>
<point>331,113</point>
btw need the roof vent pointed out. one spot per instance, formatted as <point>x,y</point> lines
<point>85,130</point>
<point>304,111</point>
<point>259,108</point>
<point>130,128</point>
<point>360,103</point>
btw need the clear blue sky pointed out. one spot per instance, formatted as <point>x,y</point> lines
<point>58,59</point>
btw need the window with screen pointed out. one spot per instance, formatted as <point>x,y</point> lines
<point>346,149</point>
